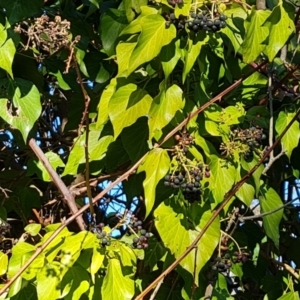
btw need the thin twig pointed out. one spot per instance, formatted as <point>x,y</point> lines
<point>87,101</point>
<point>242,218</point>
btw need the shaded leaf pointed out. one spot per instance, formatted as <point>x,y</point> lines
<point>164,107</point>
<point>270,200</point>
<point>126,105</point>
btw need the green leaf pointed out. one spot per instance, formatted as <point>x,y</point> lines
<point>126,105</point>
<point>111,25</point>
<point>26,101</point>
<point>270,200</point>
<point>173,227</point>
<point>33,229</point>
<point>290,296</point>
<point>132,7</point>
<point>154,253</point>
<point>96,262</point>
<point>127,256</point>
<point>134,139</point>
<point>192,52</point>
<point>16,260</point>
<point>74,244</point>
<point>154,35</point>
<point>97,150</point>
<point>281,26</point>
<point>124,51</point>
<point>103,103</point>
<point>164,107</point>
<point>169,56</point>
<point>48,280</point>
<point>156,165</point>
<point>115,285</point>
<point>223,177</point>
<point>246,193</point>
<point>36,166</point>
<point>79,280</point>
<point>17,10</point>
<point>3,263</point>
<point>291,138</point>
<point>256,34</point>
<point>7,51</point>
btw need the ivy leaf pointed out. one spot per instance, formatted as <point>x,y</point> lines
<point>154,35</point>
<point>33,229</point>
<point>192,52</point>
<point>35,166</point>
<point>7,51</point>
<point>103,103</point>
<point>48,280</point>
<point>74,244</point>
<point>164,107</point>
<point>115,285</point>
<point>111,25</point>
<point>173,228</point>
<point>156,165</point>
<point>290,296</point>
<point>97,149</point>
<point>270,200</point>
<point>281,26</point>
<point>223,177</point>
<point>132,6</point>
<point>126,105</point>
<point>26,101</point>
<point>154,253</point>
<point>134,139</point>
<point>3,263</point>
<point>96,262</point>
<point>80,282</point>
<point>124,51</point>
<point>169,56</point>
<point>256,34</point>
<point>17,10</point>
<point>291,138</point>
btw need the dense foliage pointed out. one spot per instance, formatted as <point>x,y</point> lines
<point>190,108</point>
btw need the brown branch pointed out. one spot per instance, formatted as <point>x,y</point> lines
<point>215,214</point>
<point>68,197</point>
<point>125,176</point>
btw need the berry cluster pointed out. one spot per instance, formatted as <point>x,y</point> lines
<point>186,174</point>
<point>179,23</point>
<point>222,264</point>
<point>206,21</point>
<point>189,182</point>
<point>242,257</point>
<point>174,2</point>
<point>102,235</point>
<point>135,227</point>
